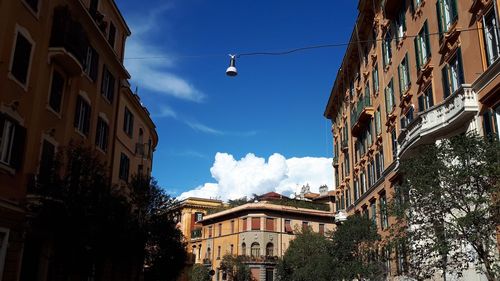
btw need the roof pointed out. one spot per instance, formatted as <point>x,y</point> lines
<point>271,196</point>
<point>265,206</point>
<point>311,195</point>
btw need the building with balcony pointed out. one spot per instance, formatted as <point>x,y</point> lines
<point>259,231</point>
<point>62,81</point>
<point>414,72</point>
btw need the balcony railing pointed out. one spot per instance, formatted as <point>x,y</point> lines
<point>196,233</point>
<point>207,261</point>
<point>454,113</point>
<point>68,41</point>
<point>364,111</point>
<point>259,259</point>
<point>335,162</point>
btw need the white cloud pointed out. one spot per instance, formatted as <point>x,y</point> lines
<point>165,111</point>
<point>254,175</point>
<point>203,128</point>
<point>150,66</point>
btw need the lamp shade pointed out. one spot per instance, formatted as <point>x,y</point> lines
<point>231,70</point>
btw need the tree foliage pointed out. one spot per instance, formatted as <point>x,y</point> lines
<point>448,207</point>
<point>199,273</point>
<point>93,224</point>
<point>235,269</point>
<point>349,254</point>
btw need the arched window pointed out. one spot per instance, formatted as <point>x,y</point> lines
<point>269,249</point>
<point>243,249</point>
<point>255,249</point>
<point>208,254</point>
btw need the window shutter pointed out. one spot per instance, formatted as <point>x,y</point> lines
<point>454,10</point>
<point>400,80</point>
<point>421,106</point>
<point>412,6</point>
<point>446,83</point>
<point>460,66</point>
<point>111,88</point>
<point>407,60</point>
<point>417,53</point>
<point>427,40</point>
<point>255,223</point>
<point>77,111</point>
<point>18,147</point>
<point>21,59</point>
<point>86,124</point>
<point>244,223</point>
<point>269,224</point>
<point>439,10</point>
<point>103,80</point>
<point>94,65</point>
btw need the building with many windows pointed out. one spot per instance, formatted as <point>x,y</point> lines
<point>260,231</point>
<point>62,80</point>
<point>415,71</point>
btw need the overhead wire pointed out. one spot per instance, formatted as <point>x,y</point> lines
<point>300,49</point>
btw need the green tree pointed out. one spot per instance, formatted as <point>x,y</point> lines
<point>235,269</point>
<point>448,207</point>
<point>308,258</point>
<point>354,250</point>
<point>199,273</point>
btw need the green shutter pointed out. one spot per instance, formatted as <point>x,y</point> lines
<point>427,40</point>
<point>446,82</point>
<point>439,10</point>
<point>454,10</point>
<point>417,52</point>
<point>460,66</point>
<point>400,80</point>
<point>407,69</point>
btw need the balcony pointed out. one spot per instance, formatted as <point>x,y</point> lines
<point>440,120</point>
<point>196,233</point>
<point>340,216</point>
<point>335,162</point>
<point>363,113</point>
<point>68,42</point>
<point>259,259</point>
<point>207,261</point>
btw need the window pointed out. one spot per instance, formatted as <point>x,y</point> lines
<point>425,100</point>
<point>269,249</point>
<point>305,225</point>
<point>255,249</point>
<point>394,142</point>
<point>128,122</point>
<point>12,137</point>
<point>375,82</point>
<point>56,91</point>
<point>491,36</point>
<point>400,24</point>
<point>244,224</point>
<point>91,64</point>
<point>220,229</point>
<point>356,190</point>
<point>491,123</point>
<point>346,164</point>
<point>269,274</point>
<point>82,116</point>
<point>386,48</point>
<point>93,6</point>
<point>415,4</point>
<point>404,76</point>
<point>362,179</point>
<point>384,219</point>
<point>210,232</point>
<point>288,226</point>
<point>407,118</point>
<point>387,260</point>
<point>373,212</point>
<point>401,258</point>
<point>255,223</point>
<point>4,238</point>
<point>367,90</point>
<point>21,59</point>
<point>198,216</point>
<point>208,254</point>
<point>422,46</point>
<point>243,249</point>
<point>389,97</point>
<point>379,162</point>
<point>453,75</point>
<point>124,167</point>
<point>447,15</point>
<point>232,226</point>
<point>378,122</point>
<point>269,224</point>
<point>101,137</point>
<point>33,4</point>
<point>112,34</point>
<point>46,161</point>
<point>107,84</point>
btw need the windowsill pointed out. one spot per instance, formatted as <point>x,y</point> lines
<point>400,40</point>
<point>86,75</point>
<point>13,78</point>
<point>387,65</point>
<point>50,109</point>
<point>80,133</point>
<point>106,99</point>
<point>100,150</point>
<point>418,10</point>
<point>5,167</point>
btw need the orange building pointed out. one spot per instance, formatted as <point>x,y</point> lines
<point>414,72</point>
<point>261,232</point>
<point>62,80</point>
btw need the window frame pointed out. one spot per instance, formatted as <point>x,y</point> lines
<point>422,42</point>
<point>496,34</point>
<point>82,125</point>
<point>61,100</point>
<point>124,168</point>
<point>20,30</point>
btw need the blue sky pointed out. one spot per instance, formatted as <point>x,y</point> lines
<point>262,129</point>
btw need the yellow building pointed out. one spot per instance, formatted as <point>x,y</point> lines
<point>62,80</point>
<point>260,231</point>
<point>414,72</point>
